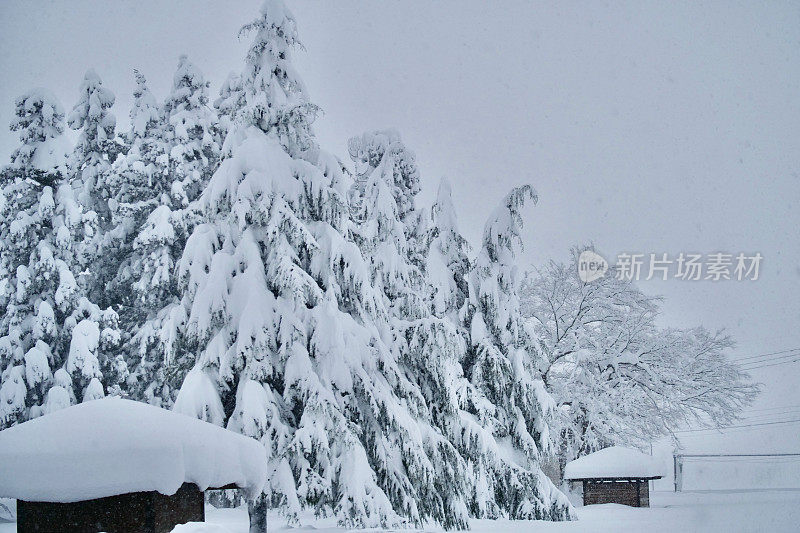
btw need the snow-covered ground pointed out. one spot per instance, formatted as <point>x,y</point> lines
<point>706,512</point>
<point>770,511</point>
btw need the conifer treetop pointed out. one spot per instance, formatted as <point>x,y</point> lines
<point>39,119</point>
<point>189,87</point>
<point>145,113</point>
<point>384,150</point>
<point>92,114</point>
<point>274,97</point>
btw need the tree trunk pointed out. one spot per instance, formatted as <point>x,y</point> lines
<point>257,509</point>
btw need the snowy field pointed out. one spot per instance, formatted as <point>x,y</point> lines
<point>770,511</point>
<point>728,512</point>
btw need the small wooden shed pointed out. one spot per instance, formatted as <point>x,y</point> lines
<point>120,466</point>
<point>614,475</point>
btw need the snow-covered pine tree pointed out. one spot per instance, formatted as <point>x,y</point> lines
<point>230,99</point>
<point>141,245</point>
<point>93,185</point>
<point>387,181</point>
<point>188,148</point>
<point>96,148</point>
<point>447,264</point>
<point>393,234</point>
<point>447,272</point>
<point>501,365</point>
<point>274,96</point>
<point>140,182</point>
<point>193,134</point>
<point>55,345</point>
<point>153,330</point>
<point>140,177</point>
<point>42,156</point>
<point>278,302</point>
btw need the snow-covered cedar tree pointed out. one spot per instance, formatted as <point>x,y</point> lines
<point>230,99</point>
<point>490,465</point>
<point>140,178</point>
<point>96,146</point>
<point>447,261</point>
<point>501,364</point>
<point>192,133</point>
<point>56,347</point>
<point>393,234</point>
<point>616,376</point>
<point>186,148</point>
<point>277,305</point>
<point>42,156</point>
<point>140,182</point>
<point>271,95</point>
<point>144,242</point>
<point>94,184</point>
<point>152,330</point>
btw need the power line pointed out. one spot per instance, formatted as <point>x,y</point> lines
<point>769,416</point>
<point>773,364</point>
<point>739,426</point>
<point>745,460</point>
<point>766,354</point>
<point>757,417</point>
<point>780,462</point>
<point>769,360</point>
<point>780,454</point>
<point>780,418</point>
<point>774,408</point>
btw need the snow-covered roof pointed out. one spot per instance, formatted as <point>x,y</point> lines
<point>114,446</point>
<point>614,462</point>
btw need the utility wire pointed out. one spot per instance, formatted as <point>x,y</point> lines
<point>753,461</point>
<point>774,408</point>
<point>781,418</point>
<point>766,354</point>
<point>773,364</point>
<point>769,416</point>
<point>740,426</point>
<point>771,359</point>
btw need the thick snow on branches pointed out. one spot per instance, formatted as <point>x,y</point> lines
<point>56,347</point>
<point>617,377</point>
<point>40,122</point>
<point>214,259</point>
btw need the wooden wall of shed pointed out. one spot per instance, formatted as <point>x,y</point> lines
<point>186,505</point>
<point>633,493</point>
<point>137,512</point>
<point>644,494</point>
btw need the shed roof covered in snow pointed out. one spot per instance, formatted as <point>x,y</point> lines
<point>113,446</point>
<point>615,462</point>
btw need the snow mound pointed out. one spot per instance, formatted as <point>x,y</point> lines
<point>114,446</point>
<point>614,462</point>
<point>200,527</point>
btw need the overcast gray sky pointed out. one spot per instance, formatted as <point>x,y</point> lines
<point>645,126</point>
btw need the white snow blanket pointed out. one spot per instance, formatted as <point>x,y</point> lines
<point>613,462</point>
<point>113,446</point>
